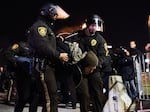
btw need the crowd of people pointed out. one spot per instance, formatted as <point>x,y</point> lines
<point>81,64</point>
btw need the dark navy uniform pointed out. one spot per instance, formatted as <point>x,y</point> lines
<point>20,59</point>
<point>42,40</point>
<point>98,45</point>
<point>91,39</point>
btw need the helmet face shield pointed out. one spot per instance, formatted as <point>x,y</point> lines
<point>95,19</point>
<point>53,11</point>
<point>98,24</point>
<point>61,14</point>
<point>100,28</point>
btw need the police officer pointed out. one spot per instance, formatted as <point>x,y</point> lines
<point>19,58</point>
<point>90,39</point>
<point>41,39</point>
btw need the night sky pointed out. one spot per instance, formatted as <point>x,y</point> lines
<point>123,20</point>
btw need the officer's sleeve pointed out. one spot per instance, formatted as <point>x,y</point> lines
<point>43,42</point>
<point>102,50</point>
<point>11,53</point>
<point>61,46</point>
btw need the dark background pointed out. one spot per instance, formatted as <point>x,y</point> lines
<point>124,20</point>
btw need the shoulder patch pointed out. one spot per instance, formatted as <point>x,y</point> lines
<point>42,31</point>
<point>15,46</point>
<point>93,42</point>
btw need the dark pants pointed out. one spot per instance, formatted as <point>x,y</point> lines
<point>67,84</point>
<point>83,95</point>
<point>26,89</point>
<point>50,81</point>
<point>106,82</point>
<point>90,90</point>
<point>68,90</point>
<point>96,91</point>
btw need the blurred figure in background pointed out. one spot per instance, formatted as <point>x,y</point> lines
<point>134,51</point>
<point>126,69</point>
<point>147,49</point>
<point>19,57</point>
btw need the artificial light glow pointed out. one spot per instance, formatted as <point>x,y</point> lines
<point>149,21</point>
<point>1,69</point>
<point>147,70</point>
<point>84,25</point>
<point>109,46</point>
<point>147,60</point>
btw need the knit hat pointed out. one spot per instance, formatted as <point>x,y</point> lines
<point>90,60</point>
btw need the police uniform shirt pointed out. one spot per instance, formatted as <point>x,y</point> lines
<point>42,39</point>
<point>95,43</point>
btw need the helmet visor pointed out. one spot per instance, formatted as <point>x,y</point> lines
<point>99,24</point>
<point>61,14</point>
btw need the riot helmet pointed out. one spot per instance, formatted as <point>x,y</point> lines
<point>53,11</point>
<point>97,20</point>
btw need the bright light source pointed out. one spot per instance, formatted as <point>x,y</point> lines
<point>109,46</point>
<point>149,21</point>
<point>104,90</point>
<point>1,69</point>
<point>146,60</point>
<point>147,70</point>
<point>84,25</point>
